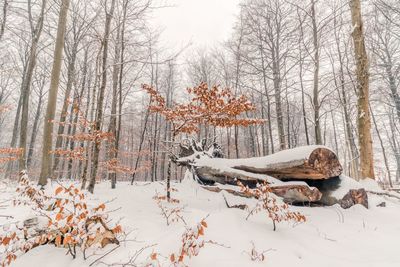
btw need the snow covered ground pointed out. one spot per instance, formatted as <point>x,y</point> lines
<point>330,237</point>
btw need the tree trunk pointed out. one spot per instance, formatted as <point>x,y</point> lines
<point>66,103</point>
<point>316,104</point>
<point>26,83</point>
<point>10,164</point>
<point>100,101</point>
<point>52,100</point>
<point>35,127</point>
<point>112,127</point>
<point>169,167</point>
<point>363,120</point>
<point>265,85</point>
<point>278,101</point>
<point>392,83</point>
<point>4,19</point>
<point>385,160</point>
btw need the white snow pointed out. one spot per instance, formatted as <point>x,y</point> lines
<point>295,155</point>
<point>347,183</point>
<point>330,237</point>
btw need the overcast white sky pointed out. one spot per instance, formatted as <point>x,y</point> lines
<point>201,22</point>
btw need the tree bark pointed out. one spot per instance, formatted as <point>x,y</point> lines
<point>112,127</point>
<point>363,120</point>
<point>316,104</point>
<point>385,160</point>
<point>26,83</point>
<point>100,101</point>
<point>35,126</point>
<point>66,103</point>
<point>52,100</point>
<point>4,19</point>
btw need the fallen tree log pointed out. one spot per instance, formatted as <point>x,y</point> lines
<point>288,172</point>
<point>290,193</point>
<point>308,162</point>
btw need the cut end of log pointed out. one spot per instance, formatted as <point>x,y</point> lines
<point>325,162</point>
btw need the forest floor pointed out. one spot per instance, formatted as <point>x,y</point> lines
<point>331,236</point>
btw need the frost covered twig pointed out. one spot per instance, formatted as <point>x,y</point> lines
<point>256,255</point>
<point>152,260</point>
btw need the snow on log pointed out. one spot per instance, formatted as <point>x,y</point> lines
<point>308,162</point>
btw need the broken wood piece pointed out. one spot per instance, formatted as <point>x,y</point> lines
<point>382,204</point>
<point>297,193</point>
<point>353,197</point>
<point>289,193</point>
<point>239,206</point>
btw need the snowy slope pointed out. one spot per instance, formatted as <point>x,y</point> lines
<point>330,237</point>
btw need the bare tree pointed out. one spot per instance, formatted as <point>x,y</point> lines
<point>3,20</point>
<point>52,100</point>
<point>41,93</point>
<point>363,120</point>
<point>36,30</point>
<point>100,102</point>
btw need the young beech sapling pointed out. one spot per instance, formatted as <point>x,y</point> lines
<point>210,106</point>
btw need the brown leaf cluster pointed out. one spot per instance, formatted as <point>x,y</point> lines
<point>276,212</point>
<point>192,242</point>
<point>208,106</point>
<point>71,223</point>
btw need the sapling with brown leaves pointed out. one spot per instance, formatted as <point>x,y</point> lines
<point>169,208</point>
<point>192,242</point>
<point>210,106</point>
<point>276,211</point>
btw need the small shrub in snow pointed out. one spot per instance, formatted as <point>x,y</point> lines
<point>29,193</point>
<point>169,210</point>
<point>277,212</point>
<point>192,242</point>
<point>65,220</point>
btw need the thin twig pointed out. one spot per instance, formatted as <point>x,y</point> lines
<point>104,255</point>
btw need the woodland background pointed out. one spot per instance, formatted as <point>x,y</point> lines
<point>293,59</point>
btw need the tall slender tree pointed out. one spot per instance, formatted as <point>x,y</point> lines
<point>36,30</point>
<point>362,72</point>
<point>100,102</point>
<point>52,100</point>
